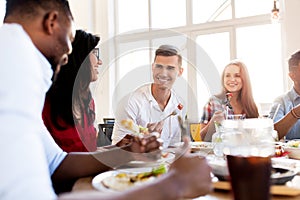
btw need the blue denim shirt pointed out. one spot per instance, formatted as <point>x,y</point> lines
<point>287,102</point>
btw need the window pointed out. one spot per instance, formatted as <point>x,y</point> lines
<point>167,13</point>
<point>207,11</point>
<point>252,7</point>
<point>132,17</point>
<point>217,46</point>
<point>219,30</point>
<point>260,49</point>
<point>132,55</point>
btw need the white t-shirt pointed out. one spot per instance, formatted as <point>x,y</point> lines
<point>28,153</point>
<point>142,108</point>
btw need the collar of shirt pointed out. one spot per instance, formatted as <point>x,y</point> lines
<point>152,100</point>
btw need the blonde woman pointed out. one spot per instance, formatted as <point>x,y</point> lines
<point>236,98</point>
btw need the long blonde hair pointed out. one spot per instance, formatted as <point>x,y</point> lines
<point>245,96</point>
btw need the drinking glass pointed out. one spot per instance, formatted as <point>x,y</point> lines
<point>236,116</point>
<point>248,146</point>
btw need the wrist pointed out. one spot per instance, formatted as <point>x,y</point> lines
<point>126,149</point>
<point>174,186</point>
<point>294,114</point>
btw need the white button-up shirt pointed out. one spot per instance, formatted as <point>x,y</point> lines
<point>142,108</point>
<point>28,153</point>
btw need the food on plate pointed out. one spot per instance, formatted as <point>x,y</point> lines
<point>205,147</point>
<point>201,145</point>
<point>164,154</point>
<point>294,143</point>
<point>123,181</point>
<point>279,151</point>
<point>293,149</point>
<point>137,129</point>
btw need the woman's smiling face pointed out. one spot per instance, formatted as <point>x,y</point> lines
<point>232,79</point>
<point>95,63</point>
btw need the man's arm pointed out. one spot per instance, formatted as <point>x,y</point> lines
<point>76,165</point>
<point>287,122</point>
<point>206,130</point>
<point>127,110</point>
<point>188,177</point>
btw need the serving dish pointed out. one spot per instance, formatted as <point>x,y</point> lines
<point>279,176</point>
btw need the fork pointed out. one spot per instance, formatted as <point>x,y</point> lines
<point>169,115</point>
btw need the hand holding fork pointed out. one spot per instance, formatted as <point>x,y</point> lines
<point>157,126</point>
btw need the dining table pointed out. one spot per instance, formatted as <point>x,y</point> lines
<point>222,189</point>
<point>85,184</point>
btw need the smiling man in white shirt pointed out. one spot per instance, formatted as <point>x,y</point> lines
<point>150,103</point>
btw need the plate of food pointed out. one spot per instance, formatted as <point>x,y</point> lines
<point>293,149</point>
<point>198,146</point>
<point>123,179</point>
<point>206,147</point>
<point>166,157</point>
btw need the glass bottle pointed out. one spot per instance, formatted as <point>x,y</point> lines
<point>217,140</point>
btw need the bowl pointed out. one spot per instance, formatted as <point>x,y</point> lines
<point>293,149</point>
<point>293,152</point>
<point>219,169</point>
<point>280,176</point>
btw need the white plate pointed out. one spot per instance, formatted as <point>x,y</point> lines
<point>199,146</point>
<point>169,158</point>
<point>97,180</point>
<point>202,146</point>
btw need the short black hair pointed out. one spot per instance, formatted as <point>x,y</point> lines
<point>29,7</point>
<point>169,50</point>
<point>294,60</point>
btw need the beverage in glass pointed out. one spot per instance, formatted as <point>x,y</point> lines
<point>248,146</point>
